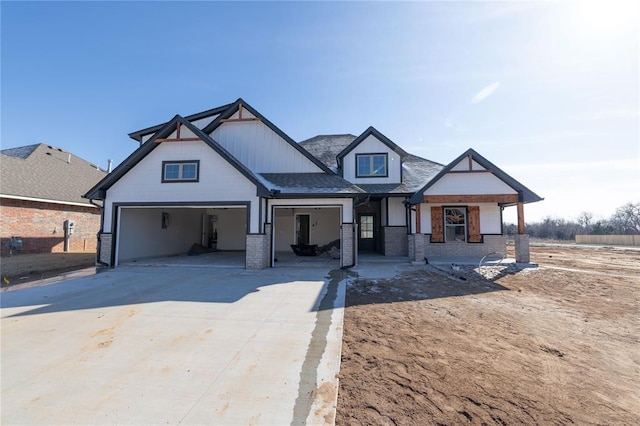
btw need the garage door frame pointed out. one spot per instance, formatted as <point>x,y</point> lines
<point>116,212</point>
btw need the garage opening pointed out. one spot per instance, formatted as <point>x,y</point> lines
<point>306,236</point>
<point>193,231</point>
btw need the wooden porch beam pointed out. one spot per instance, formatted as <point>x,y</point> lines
<point>418,224</point>
<point>521,229</point>
<point>472,198</point>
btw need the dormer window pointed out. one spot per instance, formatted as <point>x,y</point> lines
<point>371,165</point>
<point>180,171</point>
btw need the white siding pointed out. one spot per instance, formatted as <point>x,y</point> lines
<point>490,218</point>
<point>371,145</point>
<point>463,165</point>
<point>469,184</point>
<point>219,181</point>
<point>203,122</point>
<point>397,212</point>
<point>261,149</point>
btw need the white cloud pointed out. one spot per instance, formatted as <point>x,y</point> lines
<point>620,113</point>
<point>485,92</point>
<point>448,123</point>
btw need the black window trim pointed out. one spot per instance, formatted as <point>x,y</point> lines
<point>466,223</point>
<point>371,154</point>
<point>181,180</point>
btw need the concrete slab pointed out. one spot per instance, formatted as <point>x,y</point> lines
<point>174,344</point>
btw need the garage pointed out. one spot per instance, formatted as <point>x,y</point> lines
<point>312,230</point>
<point>152,231</point>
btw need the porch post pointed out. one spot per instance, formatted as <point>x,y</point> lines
<point>521,240</point>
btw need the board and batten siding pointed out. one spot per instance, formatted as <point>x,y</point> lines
<point>371,145</point>
<point>261,149</point>
<point>490,217</point>
<point>469,184</point>
<point>397,212</point>
<point>219,181</point>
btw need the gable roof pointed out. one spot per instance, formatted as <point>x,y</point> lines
<point>524,193</point>
<point>327,147</point>
<point>211,127</point>
<point>371,131</point>
<point>99,190</point>
<point>139,134</point>
<point>46,173</point>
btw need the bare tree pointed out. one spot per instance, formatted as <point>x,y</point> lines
<point>626,219</point>
<point>584,219</point>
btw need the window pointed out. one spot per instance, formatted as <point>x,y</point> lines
<point>366,226</point>
<point>180,171</point>
<point>371,165</point>
<point>455,224</point>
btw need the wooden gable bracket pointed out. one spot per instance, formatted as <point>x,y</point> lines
<point>177,138</point>
<point>240,118</point>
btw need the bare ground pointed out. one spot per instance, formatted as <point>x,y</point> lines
<point>557,344</point>
<point>23,268</point>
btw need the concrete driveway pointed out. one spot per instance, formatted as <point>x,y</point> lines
<point>174,345</point>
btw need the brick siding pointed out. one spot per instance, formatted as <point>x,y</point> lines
<point>395,241</point>
<point>258,249</point>
<point>347,231</point>
<point>491,244</point>
<point>40,225</point>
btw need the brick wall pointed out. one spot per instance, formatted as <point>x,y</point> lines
<point>395,240</point>
<point>41,226</point>
<point>491,244</point>
<point>258,249</point>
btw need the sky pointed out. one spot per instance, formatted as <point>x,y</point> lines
<point>546,90</point>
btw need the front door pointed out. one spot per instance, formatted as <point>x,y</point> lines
<point>302,229</point>
<point>367,231</point>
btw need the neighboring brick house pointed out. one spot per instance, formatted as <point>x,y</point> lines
<point>40,187</point>
<point>230,179</point>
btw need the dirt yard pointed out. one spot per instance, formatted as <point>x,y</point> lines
<point>22,268</point>
<point>558,344</point>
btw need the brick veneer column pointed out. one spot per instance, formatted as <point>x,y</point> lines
<point>522,248</point>
<point>105,249</point>
<point>346,244</point>
<point>257,251</point>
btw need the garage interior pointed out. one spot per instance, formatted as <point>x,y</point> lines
<point>148,232</point>
<point>315,228</point>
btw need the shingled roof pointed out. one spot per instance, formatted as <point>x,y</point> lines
<point>318,184</point>
<point>327,147</point>
<point>44,172</point>
<point>415,170</point>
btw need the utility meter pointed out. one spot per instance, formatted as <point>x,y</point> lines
<point>69,226</point>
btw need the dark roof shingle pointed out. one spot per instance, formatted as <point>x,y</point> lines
<point>311,183</point>
<point>45,172</point>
